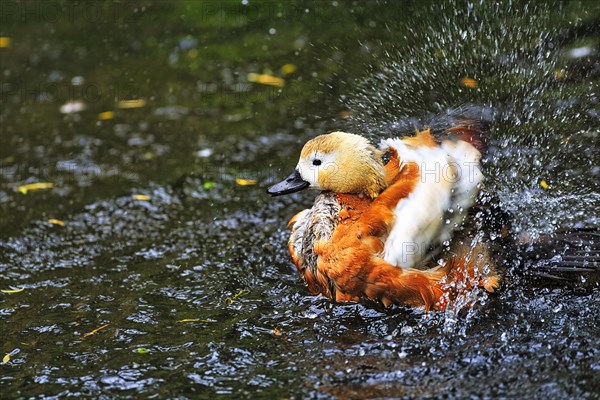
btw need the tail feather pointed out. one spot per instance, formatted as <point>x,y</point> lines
<point>463,276</point>
<point>394,285</point>
<point>434,288</point>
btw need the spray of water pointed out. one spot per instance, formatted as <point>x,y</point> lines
<point>502,63</point>
<point>511,72</point>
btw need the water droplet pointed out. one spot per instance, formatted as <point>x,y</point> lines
<point>558,308</point>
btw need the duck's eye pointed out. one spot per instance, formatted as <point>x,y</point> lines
<point>317,162</point>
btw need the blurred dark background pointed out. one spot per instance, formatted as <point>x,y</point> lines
<point>140,255</point>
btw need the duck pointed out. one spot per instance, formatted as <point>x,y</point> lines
<point>383,226</point>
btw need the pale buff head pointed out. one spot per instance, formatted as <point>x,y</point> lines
<point>343,163</point>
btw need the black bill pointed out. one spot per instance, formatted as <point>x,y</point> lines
<point>291,184</point>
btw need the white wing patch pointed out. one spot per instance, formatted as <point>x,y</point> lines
<point>448,184</point>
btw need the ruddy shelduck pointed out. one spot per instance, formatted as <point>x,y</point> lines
<point>380,213</point>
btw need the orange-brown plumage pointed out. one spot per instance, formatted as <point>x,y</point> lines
<point>422,138</point>
<point>351,261</point>
<point>347,262</point>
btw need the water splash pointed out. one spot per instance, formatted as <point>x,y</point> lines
<point>469,294</point>
<point>509,72</point>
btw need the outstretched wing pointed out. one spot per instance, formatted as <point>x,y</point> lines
<point>449,180</point>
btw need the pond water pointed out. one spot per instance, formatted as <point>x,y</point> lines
<point>155,265</point>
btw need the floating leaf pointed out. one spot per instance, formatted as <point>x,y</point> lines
<point>12,290</point>
<point>276,332</point>
<point>141,350</point>
<point>208,185</point>
<point>54,221</point>
<point>137,103</point>
<point>245,182</point>
<point>469,82</point>
<point>95,330</point>
<point>230,300</point>
<point>141,197</point>
<point>195,320</point>
<point>559,74</point>
<point>266,79</point>
<point>6,358</point>
<point>30,187</point>
<point>4,42</point>
<point>544,185</point>
<point>288,69</point>
<point>103,116</point>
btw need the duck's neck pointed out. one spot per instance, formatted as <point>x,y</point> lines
<point>375,187</point>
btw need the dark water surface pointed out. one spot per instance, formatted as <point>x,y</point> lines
<point>147,235</point>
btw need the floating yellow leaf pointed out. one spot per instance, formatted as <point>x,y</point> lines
<point>4,42</point>
<point>245,182</point>
<point>137,103</point>
<point>35,186</point>
<point>141,197</point>
<point>288,69</point>
<point>6,358</point>
<point>103,116</point>
<point>96,330</point>
<point>54,221</point>
<point>469,82</point>
<point>230,300</point>
<point>544,185</point>
<point>277,332</point>
<point>266,79</point>
<point>141,350</point>
<point>196,320</point>
<point>559,74</point>
<point>12,290</point>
